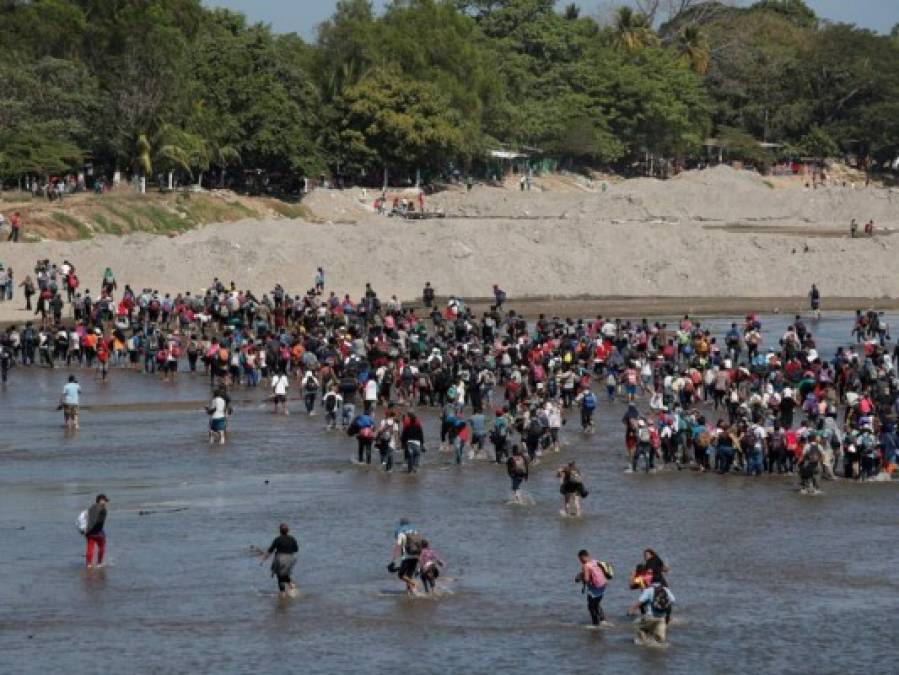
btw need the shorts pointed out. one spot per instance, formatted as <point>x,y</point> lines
<point>218,424</point>
<point>69,411</point>
<point>631,389</point>
<point>407,568</point>
<point>280,398</point>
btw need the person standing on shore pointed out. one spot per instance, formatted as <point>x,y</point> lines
<point>499,296</point>
<point>15,226</point>
<point>94,520</point>
<point>28,286</point>
<point>814,297</point>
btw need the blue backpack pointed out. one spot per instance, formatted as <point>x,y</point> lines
<point>589,401</point>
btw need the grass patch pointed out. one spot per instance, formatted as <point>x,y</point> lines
<point>123,216</point>
<point>291,210</point>
<point>108,226</point>
<point>204,210</point>
<point>243,211</point>
<point>15,197</point>
<point>159,220</point>
<point>67,220</point>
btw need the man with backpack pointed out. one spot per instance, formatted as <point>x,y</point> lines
<point>518,470</point>
<point>348,387</point>
<point>407,548</point>
<point>333,402</point>
<point>499,436</point>
<point>655,604</point>
<point>310,391</point>
<point>810,466</point>
<point>594,576</point>
<point>387,439</point>
<point>644,446</point>
<point>587,401</point>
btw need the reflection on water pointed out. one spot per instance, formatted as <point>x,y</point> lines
<point>766,580</point>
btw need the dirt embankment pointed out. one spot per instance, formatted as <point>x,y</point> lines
<point>713,239</point>
<point>121,212</point>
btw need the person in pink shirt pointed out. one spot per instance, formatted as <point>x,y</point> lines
<point>429,564</point>
<point>594,582</point>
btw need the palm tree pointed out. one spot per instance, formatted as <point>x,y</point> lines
<point>143,160</point>
<point>633,29</point>
<point>176,149</point>
<point>693,49</point>
<point>221,156</point>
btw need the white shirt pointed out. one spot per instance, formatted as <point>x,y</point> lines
<point>280,383</point>
<point>371,390</point>
<point>218,408</point>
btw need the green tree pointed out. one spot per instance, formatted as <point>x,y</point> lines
<point>633,30</point>
<point>399,123</point>
<point>818,143</point>
<point>693,48</point>
<point>742,146</point>
<point>36,150</point>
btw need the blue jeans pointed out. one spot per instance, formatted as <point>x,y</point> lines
<point>643,449</point>
<point>413,455</point>
<point>756,464</point>
<point>725,459</point>
<point>459,445</point>
<point>347,413</point>
<point>387,457</point>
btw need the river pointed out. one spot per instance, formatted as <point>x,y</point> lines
<point>766,580</point>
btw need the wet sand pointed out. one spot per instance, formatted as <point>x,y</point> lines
<point>638,307</point>
<point>587,307</point>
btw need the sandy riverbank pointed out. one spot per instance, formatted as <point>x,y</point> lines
<point>718,241</point>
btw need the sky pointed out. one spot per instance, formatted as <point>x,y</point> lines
<point>302,16</point>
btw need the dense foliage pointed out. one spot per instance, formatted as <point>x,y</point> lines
<point>154,86</point>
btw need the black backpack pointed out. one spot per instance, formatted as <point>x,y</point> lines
<point>661,602</point>
<point>348,385</point>
<point>413,543</point>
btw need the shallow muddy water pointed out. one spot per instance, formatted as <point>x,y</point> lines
<point>766,580</point>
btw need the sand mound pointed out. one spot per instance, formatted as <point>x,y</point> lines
<point>639,238</point>
<point>718,195</point>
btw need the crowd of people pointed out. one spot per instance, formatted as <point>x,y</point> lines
<point>502,386</point>
<point>715,403</point>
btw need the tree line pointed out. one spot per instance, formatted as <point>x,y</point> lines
<point>157,86</point>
